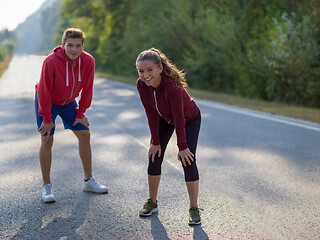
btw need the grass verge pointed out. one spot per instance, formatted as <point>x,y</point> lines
<point>309,114</point>
<point>4,64</point>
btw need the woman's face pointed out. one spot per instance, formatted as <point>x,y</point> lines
<point>73,48</point>
<point>149,72</point>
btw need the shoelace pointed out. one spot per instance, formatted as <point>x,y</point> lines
<point>196,210</point>
<point>48,190</point>
<point>147,203</point>
<point>95,181</point>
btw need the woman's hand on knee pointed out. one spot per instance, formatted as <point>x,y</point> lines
<point>153,150</point>
<point>186,156</point>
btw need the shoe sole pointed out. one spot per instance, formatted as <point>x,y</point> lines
<point>49,200</point>
<point>149,214</point>
<point>95,191</point>
<point>194,223</point>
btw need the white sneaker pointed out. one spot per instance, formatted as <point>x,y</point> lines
<point>93,186</point>
<point>47,193</point>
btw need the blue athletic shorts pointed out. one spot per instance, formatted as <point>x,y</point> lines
<point>67,113</point>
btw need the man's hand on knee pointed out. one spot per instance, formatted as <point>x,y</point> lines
<point>84,121</point>
<point>45,129</point>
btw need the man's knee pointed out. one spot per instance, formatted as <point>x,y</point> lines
<point>47,142</point>
<point>83,135</point>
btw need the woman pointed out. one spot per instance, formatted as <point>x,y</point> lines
<point>168,107</point>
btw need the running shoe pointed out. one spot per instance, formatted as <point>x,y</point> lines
<point>47,193</point>
<point>194,216</point>
<point>149,207</point>
<point>93,185</point>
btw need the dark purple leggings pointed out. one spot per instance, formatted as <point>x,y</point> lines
<point>165,131</point>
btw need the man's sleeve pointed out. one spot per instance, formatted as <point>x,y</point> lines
<point>44,92</point>
<point>86,93</point>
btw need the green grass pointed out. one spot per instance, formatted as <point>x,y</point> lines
<point>310,114</point>
<point>4,64</point>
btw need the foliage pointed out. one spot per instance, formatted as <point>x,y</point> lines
<point>49,20</point>
<point>214,51</point>
<point>288,60</point>
<point>258,49</point>
<point>8,43</point>
<point>3,53</point>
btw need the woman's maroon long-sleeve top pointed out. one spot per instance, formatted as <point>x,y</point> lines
<point>171,102</point>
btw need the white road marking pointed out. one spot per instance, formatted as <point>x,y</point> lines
<point>251,113</point>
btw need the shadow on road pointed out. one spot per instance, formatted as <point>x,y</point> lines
<point>199,233</point>
<point>158,231</point>
<point>58,227</point>
<point>17,117</point>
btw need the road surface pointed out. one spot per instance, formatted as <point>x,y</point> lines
<point>259,173</point>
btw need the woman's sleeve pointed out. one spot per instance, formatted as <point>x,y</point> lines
<point>177,109</point>
<point>152,114</point>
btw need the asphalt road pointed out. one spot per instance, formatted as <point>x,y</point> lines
<point>259,173</point>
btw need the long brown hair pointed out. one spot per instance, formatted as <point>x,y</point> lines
<point>169,70</point>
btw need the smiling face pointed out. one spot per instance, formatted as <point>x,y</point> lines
<point>73,48</point>
<point>149,72</point>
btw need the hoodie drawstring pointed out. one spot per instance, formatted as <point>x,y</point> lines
<point>79,78</point>
<point>67,73</point>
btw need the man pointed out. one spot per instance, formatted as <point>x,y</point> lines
<point>65,73</point>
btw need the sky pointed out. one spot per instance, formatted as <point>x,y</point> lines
<point>14,12</point>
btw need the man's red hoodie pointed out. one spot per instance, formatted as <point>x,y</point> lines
<point>62,80</point>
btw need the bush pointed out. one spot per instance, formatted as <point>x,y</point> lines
<point>288,60</point>
<point>3,52</point>
<point>10,45</point>
<point>213,59</point>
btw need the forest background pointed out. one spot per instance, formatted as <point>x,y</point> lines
<point>258,49</point>
<point>267,50</point>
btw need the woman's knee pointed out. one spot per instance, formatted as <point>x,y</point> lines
<point>191,172</point>
<point>154,168</point>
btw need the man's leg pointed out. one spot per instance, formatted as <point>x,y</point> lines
<point>90,184</point>
<point>85,152</point>
<point>45,156</point>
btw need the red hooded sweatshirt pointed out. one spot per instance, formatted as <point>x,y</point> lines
<point>62,80</point>
<point>172,103</point>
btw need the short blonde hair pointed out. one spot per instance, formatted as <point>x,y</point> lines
<point>72,33</point>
